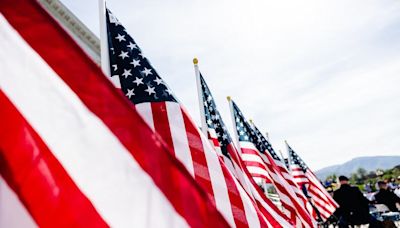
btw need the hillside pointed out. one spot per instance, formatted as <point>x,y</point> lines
<point>368,163</point>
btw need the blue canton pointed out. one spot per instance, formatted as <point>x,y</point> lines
<point>296,160</point>
<point>213,118</point>
<point>139,80</point>
<point>266,144</point>
<point>244,130</point>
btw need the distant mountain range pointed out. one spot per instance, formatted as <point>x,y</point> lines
<point>368,163</point>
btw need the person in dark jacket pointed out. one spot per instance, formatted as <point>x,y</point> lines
<point>353,206</point>
<point>387,197</point>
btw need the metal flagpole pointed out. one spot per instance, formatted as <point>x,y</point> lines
<point>104,49</point>
<point>234,125</point>
<point>204,126</point>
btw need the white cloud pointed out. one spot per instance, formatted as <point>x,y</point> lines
<point>323,74</point>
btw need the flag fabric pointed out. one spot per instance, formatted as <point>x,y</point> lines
<point>283,168</point>
<point>307,180</point>
<point>294,204</point>
<point>72,148</point>
<point>220,138</point>
<point>162,111</point>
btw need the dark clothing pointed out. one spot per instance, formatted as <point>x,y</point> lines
<point>388,198</point>
<point>353,208</point>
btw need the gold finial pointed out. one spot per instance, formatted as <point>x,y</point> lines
<point>286,141</point>
<point>195,61</point>
<point>251,121</point>
<point>229,98</point>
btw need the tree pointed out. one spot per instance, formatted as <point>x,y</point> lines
<point>361,172</point>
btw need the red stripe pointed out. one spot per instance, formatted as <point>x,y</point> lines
<point>214,141</point>
<point>201,172</point>
<point>161,123</point>
<point>39,180</point>
<point>249,151</point>
<point>85,78</point>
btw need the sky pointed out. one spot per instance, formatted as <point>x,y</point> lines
<point>324,75</point>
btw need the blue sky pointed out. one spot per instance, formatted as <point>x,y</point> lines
<point>325,75</point>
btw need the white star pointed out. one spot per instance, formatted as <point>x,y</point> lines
<point>209,98</point>
<point>120,37</point>
<point>135,62</point>
<point>113,20</point>
<point>115,66</point>
<point>209,121</point>
<point>158,81</point>
<point>241,133</point>
<point>130,93</point>
<point>127,73</point>
<point>138,81</point>
<point>224,136</point>
<point>141,54</point>
<point>150,90</point>
<point>217,134</point>
<point>246,137</point>
<point>132,46</point>
<point>168,91</point>
<point>146,71</point>
<point>123,55</point>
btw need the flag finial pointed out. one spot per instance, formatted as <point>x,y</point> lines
<point>195,61</point>
<point>229,98</point>
<point>251,121</point>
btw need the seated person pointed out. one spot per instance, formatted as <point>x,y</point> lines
<point>387,197</point>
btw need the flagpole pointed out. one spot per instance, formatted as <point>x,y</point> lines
<point>289,159</point>
<point>204,126</point>
<point>104,55</point>
<point>282,157</point>
<point>234,125</point>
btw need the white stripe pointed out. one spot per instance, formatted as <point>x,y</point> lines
<point>252,158</point>
<point>12,211</point>
<point>257,170</point>
<point>145,111</point>
<point>247,145</point>
<point>217,181</point>
<point>123,194</point>
<point>179,136</point>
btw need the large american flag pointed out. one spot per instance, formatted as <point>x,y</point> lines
<point>74,152</point>
<point>220,138</point>
<point>156,103</point>
<point>306,179</point>
<point>252,146</point>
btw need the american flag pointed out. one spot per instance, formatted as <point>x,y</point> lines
<point>156,103</point>
<point>221,140</point>
<point>74,152</point>
<point>306,179</point>
<point>252,145</point>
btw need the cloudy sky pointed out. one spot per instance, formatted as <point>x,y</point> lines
<point>325,75</point>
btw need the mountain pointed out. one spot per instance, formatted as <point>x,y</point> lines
<point>368,163</point>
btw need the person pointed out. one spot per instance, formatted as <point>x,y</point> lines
<point>386,196</point>
<point>353,206</point>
